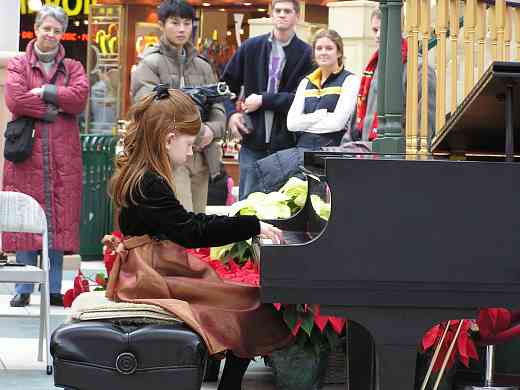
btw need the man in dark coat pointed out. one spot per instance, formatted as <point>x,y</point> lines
<point>268,68</point>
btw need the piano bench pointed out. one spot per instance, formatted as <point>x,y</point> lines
<point>93,355</point>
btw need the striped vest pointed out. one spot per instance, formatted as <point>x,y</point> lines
<point>327,95</point>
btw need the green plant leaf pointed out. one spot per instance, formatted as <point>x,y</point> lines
<point>333,339</point>
<point>290,316</point>
<point>240,251</point>
<point>318,341</point>
<point>308,322</point>
<point>302,339</point>
<point>300,200</point>
<point>318,338</point>
<point>220,252</point>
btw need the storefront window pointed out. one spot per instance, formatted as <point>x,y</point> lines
<point>104,66</point>
<point>146,35</point>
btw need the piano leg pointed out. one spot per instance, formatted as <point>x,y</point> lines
<point>396,335</point>
<point>366,362</point>
<point>361,358</point>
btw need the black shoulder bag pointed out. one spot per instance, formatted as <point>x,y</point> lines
<point>19,135</point>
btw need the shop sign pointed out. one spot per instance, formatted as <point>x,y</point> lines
<point>71,7</point>
<point>68,36</point>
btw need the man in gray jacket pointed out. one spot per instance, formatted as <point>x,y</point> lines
<point>175,61</point>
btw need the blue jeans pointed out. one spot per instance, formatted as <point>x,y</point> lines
<point>55,272</point>
<point>247,157</point>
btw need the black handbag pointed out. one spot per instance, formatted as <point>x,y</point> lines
<point>19,138</point>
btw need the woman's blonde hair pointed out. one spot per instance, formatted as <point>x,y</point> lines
<point>334,37</point>
<point>144,144</point>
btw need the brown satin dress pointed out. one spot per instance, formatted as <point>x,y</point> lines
<point>226,315</point>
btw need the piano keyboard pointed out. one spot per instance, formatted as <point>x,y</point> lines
<point>290,238</point>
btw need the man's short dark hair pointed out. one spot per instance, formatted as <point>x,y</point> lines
<point>295,3</point>
<point>175,8</point>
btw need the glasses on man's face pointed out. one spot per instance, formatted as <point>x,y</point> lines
<point>51,30</point>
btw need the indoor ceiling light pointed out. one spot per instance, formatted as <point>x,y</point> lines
<point>248,4</point>
<point>261,9</point>
<point>206,4</point>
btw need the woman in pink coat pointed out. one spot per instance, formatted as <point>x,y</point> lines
<point>53,173</point>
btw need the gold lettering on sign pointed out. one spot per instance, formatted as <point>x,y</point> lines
<point>72,11</point>
<point>71,7</point>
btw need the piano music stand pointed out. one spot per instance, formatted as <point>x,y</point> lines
<point>484,123</point>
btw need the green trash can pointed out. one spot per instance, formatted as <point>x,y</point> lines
<point>98,152</point>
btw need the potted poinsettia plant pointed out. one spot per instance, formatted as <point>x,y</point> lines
<point>303,364</point>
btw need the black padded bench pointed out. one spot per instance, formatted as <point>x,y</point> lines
<point>93,355</point>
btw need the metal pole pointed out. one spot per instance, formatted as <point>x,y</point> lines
<point>381,73</point>
<point>490,372</point>
<point>490,365</point>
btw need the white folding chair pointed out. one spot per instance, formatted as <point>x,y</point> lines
<point>22,214</point>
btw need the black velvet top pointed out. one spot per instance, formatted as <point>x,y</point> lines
<point>160,215</point>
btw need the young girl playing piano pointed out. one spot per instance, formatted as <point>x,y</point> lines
<point>161,133</point>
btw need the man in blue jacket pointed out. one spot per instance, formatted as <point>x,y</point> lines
<point>269,68</point>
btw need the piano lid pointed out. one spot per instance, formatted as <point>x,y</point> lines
<point>478,124</point>
<point>315,161</point>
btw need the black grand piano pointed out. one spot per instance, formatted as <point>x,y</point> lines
<point>410,241</point>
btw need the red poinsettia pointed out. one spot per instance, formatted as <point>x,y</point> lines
<point>464,349</point>
<point>300,319</point>
<point>492,326</point>
<point>110,243</point>
<point>246,273</point>
<point>497,325</point>
<point>82,283</point>
<point>336,323</point>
